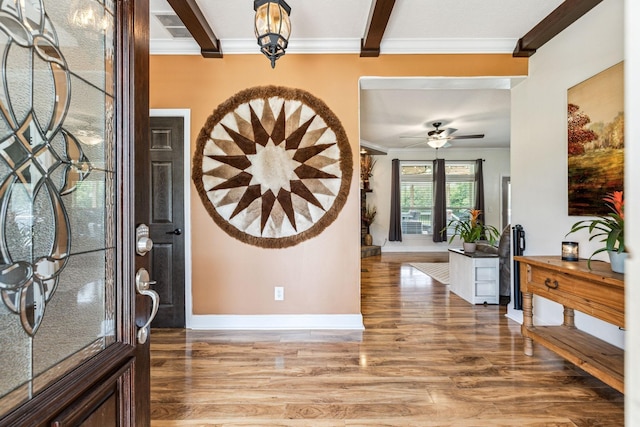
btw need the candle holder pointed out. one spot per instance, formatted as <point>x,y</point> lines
<point>570,251</point>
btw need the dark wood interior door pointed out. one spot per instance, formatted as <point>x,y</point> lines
<point>166,221</point>
<point>68,162</point>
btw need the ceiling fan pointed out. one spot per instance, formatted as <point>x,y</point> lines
<point>440,137</point>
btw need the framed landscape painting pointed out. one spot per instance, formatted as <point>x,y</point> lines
<point>595,140</point>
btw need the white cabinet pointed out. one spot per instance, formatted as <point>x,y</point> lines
<point>474,277</point>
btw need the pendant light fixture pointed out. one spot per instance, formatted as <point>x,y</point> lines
<point>272,27</point>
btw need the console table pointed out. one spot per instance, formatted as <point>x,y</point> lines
<point>598,292</point>
<point>474,276</point>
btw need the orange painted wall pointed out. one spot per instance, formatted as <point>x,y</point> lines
<point>321,275</point>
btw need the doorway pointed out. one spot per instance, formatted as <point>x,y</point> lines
<point>476,107</point>
<point>171,264</point>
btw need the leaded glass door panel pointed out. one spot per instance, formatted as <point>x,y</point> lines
<point>66,289</point>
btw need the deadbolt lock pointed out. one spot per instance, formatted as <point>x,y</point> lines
<point>143,242</point>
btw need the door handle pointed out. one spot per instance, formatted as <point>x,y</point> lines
<point>142,287</point>
<point>177,232</point>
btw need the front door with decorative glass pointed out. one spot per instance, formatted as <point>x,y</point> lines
<point>68,338</point>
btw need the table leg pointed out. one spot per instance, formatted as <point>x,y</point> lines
<point>527,311</point>
<point>568,318</point>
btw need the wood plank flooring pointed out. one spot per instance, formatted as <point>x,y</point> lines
<point>426,358</point>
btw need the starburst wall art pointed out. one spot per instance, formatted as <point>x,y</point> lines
<point>273,166</point>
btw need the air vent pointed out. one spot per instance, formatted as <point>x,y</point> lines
<point>172,23</point>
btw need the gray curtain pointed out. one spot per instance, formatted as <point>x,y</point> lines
<point>479,183</point>
<point>395,226</point>
<point>439,201</point>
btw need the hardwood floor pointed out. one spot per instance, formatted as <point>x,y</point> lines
<point>426,358</point>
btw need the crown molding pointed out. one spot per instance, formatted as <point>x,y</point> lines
<point>426,46</point>
<point>300,46</point>
<point>250,46</point>
<point>174,47</point>
<point>333,46</point>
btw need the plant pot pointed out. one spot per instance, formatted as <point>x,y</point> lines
<point>368,240</point>
<point>469,247</point>
<point>617,261</point>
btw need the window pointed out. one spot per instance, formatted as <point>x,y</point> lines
<point>460,188</point>
<point>416,197</point>
<point>416,193</point>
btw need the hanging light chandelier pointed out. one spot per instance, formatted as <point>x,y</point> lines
<point>272,27</point>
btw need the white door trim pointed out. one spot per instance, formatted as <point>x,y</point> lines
<point>186,115</point>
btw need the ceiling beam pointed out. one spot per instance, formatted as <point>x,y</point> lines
<point>192,17</point>
<point>564,15</point>
<point>370,45</point>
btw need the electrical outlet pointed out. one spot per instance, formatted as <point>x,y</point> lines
<point>278,293</point>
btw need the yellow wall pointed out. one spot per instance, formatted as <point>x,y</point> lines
<point>320,275</point>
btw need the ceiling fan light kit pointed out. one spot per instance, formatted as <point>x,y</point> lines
<point>437,142</point>
<point>439,138</point>
<point>272,27</point>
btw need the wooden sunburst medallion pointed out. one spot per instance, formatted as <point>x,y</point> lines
<point>273,166</point>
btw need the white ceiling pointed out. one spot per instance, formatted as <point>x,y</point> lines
<point>391,107</point>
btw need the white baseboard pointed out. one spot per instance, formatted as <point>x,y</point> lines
<point>433,247</point>
<point>278,322</point>
<point>518,316</point>
<point>515,315</point>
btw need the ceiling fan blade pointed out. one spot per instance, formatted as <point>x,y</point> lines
<point>406,136</point>
<point>415,145</point>
<point>447,131</point>
<point>480,135</point>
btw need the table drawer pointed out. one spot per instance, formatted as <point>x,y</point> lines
<point>591,297</point>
